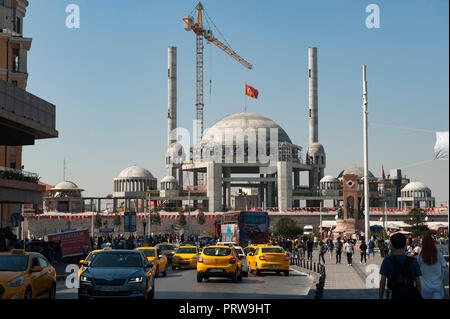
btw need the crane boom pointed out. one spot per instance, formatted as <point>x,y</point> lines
<point>201,32</point>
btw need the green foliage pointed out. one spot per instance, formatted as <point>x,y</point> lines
<point>117,220</point>
<point>97,221</point>
<point>416,220</point>
<point>155,219</point>
<point>288,228</point>
<point>181,219</point>
<point>201,218</point>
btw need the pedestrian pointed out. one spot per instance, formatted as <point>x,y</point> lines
<point>309,249</point>
<point>433,266</point>
<point>301,249</point>
<point>371,245</point>
<point>330,247</point>
<point>348,248</point>
<point>363,250</point>
<point>322,251</point>
<point>315,241</point>
<point>401,272</point>
<point>338,250</point>
<point>58,253</point>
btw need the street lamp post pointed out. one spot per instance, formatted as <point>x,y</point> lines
<point>189,212</point>
<point>149,211</point>
<point>366,157</point>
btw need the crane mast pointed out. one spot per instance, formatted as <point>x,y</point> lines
<point>201,33</point>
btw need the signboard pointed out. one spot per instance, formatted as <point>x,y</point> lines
<point>230,233</point>
<point>129,219</point>
<point>72,242</point>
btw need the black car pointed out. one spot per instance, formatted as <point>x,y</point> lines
<point>118,273</point>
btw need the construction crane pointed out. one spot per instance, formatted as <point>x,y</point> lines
<point>202,32</point>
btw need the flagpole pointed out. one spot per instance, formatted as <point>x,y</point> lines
<point>366,157</point>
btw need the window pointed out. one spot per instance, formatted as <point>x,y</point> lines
<point>14,83</point>
<point>43,263</point>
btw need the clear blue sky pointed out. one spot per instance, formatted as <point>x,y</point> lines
<point>108,80</point>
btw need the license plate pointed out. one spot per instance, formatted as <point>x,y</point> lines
<point>274,266</point>
<point>216,270</point>
<point>108,289</point>
<point>184,262</point>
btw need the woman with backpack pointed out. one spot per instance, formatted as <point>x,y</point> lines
<point>433,266</point>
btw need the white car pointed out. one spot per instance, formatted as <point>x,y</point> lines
<point>227,243</point>
<point>243,258</point>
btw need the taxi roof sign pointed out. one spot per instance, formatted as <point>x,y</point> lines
<point>18,251</point>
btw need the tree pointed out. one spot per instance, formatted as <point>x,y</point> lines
<point>288,228</point>
<point>201,218</point>
<point>117,221</point>
<point>98,221</point>
<point>155,219</point>
<point>416,220</point>
<point>182,219</point>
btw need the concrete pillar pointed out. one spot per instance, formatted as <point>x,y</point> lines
<point>114,205</point>
<point>214,178</point>
<point>284,181</point>
<point>313,96</point>
<point>99,209</point>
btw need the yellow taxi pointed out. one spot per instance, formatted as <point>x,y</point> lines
<point>219,261</point>
<point>26,275</point>
<point>88,260</point>
<point>159,260</point>
<point>167,249</point>
<point>269,258</point>
<point>185,256</point>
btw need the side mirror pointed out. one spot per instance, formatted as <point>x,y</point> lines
<point>81,262</point>
<point>86,264</point>
<point>149,264</point>
<point>37,269</point>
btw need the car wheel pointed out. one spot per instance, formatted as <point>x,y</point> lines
<point>151,294</point>
<point>250,269</point>
<point>246,274</point>
<point>28,294</point>
<point>157,272</point>
<point>235,277</point>
<point>165,272</point>
<point>286,272</point>
<point>174,267</point>
<point>199,277</point>
<point>258,272</point>
<point>278,273</point>
<point>240,277</point>
<point>52,293</point>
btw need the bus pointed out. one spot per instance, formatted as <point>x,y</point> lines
<point>244,228</point>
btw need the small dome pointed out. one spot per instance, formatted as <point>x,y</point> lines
<point>66,185</point>
<point>135,172</point>
<point>168,179</point>
<point>415,186</point>
<point>356,170</point>
<point>328,178</point>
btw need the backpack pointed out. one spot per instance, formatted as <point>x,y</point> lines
<point>402,280</point>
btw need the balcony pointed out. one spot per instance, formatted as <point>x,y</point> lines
<point>19,187</point>
<point>24,117</point>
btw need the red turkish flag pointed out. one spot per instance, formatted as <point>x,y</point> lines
<point>251,91</point>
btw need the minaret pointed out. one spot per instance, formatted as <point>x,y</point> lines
<point>313,97</point>
<point>316,153</point>
<point>172,95</point>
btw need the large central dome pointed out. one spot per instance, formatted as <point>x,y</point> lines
<point>246,122</point>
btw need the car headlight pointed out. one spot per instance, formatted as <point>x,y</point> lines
<point>135,280</point>
<point>16,282</point>
<point>85,279</point>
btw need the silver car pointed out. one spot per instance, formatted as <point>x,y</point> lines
<point>243,258</point>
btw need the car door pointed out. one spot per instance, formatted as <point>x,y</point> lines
<point>47,274</point>
<point>37,279</point>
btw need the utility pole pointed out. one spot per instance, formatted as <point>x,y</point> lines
<point>320,215</point>
<point>149,210</point>
<point>366,157</point>
<point>189,212</point>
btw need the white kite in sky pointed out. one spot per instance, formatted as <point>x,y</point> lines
<point>441,147</point>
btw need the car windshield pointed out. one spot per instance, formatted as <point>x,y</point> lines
<point>217,251</point>
<point>272,250</point>
<point>149,252</point>
<point>117,260</point>
<point>165,247</point>
<point>90,257</point>
<point>13,263</point>
<point>239,251</point>
<point>185,250</point>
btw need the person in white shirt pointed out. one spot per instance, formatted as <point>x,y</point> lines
<point>348,247</point>
<point>432,264</point>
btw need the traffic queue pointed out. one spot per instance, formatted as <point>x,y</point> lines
<point>124,273</point>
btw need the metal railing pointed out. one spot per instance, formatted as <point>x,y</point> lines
<point>18,175</point>
<point>315,267</point>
